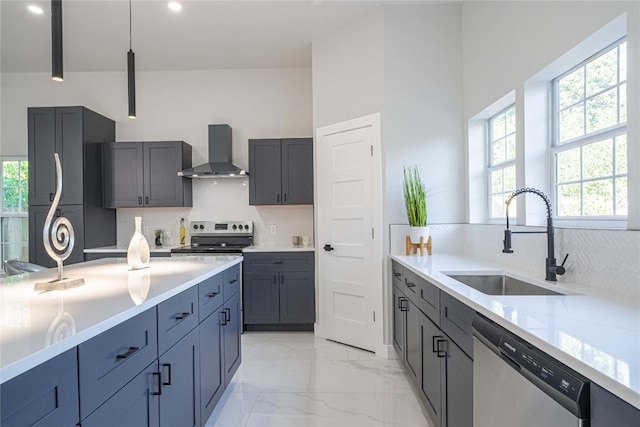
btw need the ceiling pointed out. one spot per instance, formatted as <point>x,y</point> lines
<point>205,34</point>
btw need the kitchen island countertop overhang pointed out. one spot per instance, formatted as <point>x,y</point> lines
<point>593,332</point>
<point>37,326</point>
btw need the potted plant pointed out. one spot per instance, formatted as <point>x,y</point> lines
<point>415,202</point>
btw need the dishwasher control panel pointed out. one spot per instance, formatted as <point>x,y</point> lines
<point>538,365</point>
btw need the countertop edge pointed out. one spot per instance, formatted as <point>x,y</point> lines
<point>23,365</point>
<point>625,393</point>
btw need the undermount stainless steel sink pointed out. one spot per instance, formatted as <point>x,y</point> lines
<point>500,284</point>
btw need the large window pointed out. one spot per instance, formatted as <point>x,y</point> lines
<point>14,236</point>
<point>590,136</point>
<point>501,166</point>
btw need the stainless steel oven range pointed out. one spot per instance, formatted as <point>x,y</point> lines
<point>217,238</point>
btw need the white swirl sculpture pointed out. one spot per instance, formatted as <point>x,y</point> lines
<point>58,235</point>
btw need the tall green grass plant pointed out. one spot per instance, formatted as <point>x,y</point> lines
<point>415,198</point>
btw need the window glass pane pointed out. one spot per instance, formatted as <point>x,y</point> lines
<point>597,159</point>
<point>569,200</point>
<point>571,88</point>
<point>10,173</point>
<point>623,61</point>
<point>510,178</point>
<point>623,103</point>
<point>496,181</point>
<point>598,198</point>
<point>569,165</point>
<point>622,203</point>
<point>497,127</point>
<point>572,123</point>
<point>497,152</point>
<point>511,147</point>
<point>621,154</point>
<point>10,199</point>
<point>602,111</point>
<point>497,206</point>
<point>511,120</point>
<point>602,73</point>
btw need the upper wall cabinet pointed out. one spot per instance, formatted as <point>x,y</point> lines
<point>145,174</point>
<point>281,171</point>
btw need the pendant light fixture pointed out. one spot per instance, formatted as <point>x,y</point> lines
<point>56,40</point>
<point>131,74</point>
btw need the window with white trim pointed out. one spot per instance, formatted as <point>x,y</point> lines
<point>590,137</point>
<point>14,210</point>
<point>501,167</point>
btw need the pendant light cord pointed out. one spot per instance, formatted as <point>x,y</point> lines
<point>130,44</point>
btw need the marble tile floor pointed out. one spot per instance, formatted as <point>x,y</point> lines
<point>295,379</point>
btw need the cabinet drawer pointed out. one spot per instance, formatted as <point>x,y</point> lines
<point>410,286</point>
<point>231,277</point>
<point>210,296</point>
<point>278,261</point>
<point>455,321</point>
<point>176,317</point>
<point>429,300</point>
<point>397,274</point>
<point>107,362</point>
<point>45,395</point>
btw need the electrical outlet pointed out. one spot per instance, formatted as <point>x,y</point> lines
<point>274,229</point>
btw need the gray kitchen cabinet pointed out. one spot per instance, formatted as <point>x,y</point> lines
<point>399,322</point>
<point>76,134</point>
<point>438,348</point>
<point>212,383</point>
<point>145,174</point>
<point>278,291</point>
<point>46,395</point>
<point>281,171</point>
<point>231,328</point>
<point>179,371</point>
<point>609,410</point>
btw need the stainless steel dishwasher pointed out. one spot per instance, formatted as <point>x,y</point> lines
<point>517,385</point>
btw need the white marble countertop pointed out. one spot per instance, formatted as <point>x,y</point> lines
<point>36,326</point>
<point>595,333</point>
<point>278,248</point>
<point>117,249</point>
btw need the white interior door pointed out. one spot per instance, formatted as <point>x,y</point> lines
<point>349,234</point>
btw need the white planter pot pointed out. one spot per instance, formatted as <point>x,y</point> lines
<point>138,252</point>
<point>416,232</point>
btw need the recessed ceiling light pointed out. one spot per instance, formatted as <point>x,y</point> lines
<point>175,6</point>
<point>35,9</point>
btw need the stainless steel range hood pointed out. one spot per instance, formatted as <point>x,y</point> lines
<point>219,165</point>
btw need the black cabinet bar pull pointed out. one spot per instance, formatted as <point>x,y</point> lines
<point>441,353</point>
<point>127,353</point>
<point>139,200</point>
<point>183,315</point>
<point>275,280</point>
<point>223,321</point>
<point>278,262</point>
<point>233,281</point>
<point>285,197</point>
<point>282,279</point>
<point>51,197</point>
<point>278,198</point>
<point>404,307</point>
<point>159,392</point>
<point>58,212</point>
<point>227,315</point>
<point>434,344</point>
<point>396,274</point>
<point>168,366</point>
<point>213,294</point>
<point>146,200</point>
<point>410,285</point>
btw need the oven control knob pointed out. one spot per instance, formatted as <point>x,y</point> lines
<point>234,227</point>
<point>201,227</point>
<point>246,226</point>
<point>195,226</point>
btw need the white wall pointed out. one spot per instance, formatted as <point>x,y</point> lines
<point>179,106</point>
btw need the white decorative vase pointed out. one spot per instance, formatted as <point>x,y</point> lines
<point>138,252</point>
<point>416,232</point>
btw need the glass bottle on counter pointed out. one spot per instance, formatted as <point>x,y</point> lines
<point>182,232</point>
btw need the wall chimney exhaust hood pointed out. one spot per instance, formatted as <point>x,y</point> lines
<point>219,165</point>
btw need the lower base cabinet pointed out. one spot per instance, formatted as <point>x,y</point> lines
<point>212,383</point>
<point>231,337</point>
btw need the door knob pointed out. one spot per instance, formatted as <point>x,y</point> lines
<point>328,248</point>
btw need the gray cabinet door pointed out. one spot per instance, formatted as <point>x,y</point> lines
<point>231,337</point>
<point>162,185</point>
<point>46,395</point>
<point>458,409</point>
<point>70,147</point>
<point>123,174</point>
<point>180,376</point>
<point>297,297</point>
<point>37,217</point>
<point>261,298</point>
<point>399,322</point>
<point>265,169</point>
<point>297,171</point>
<point>413,350</point>
<point>41,146</point>
<point>211,368</point>
<point>433,359</point>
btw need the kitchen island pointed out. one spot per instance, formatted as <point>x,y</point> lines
<point>179,303</point>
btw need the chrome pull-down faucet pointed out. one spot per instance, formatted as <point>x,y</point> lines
<point>551,269</point>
